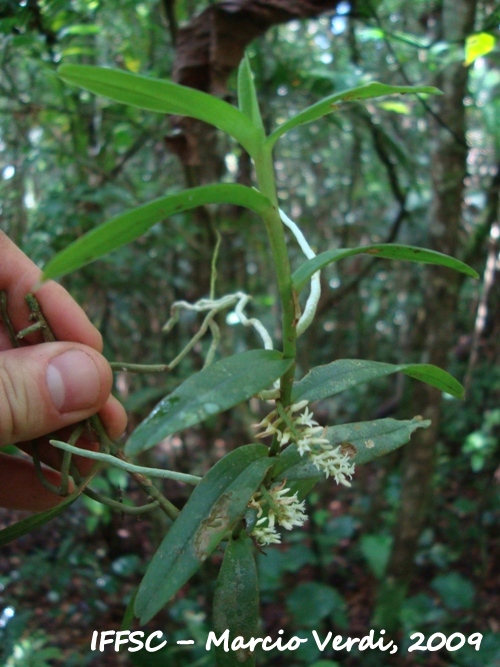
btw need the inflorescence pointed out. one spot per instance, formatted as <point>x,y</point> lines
<point>290,425</point>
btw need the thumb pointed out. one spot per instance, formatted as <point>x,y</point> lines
<point>46,387</point>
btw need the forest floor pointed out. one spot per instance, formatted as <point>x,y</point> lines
<point>75,575</point>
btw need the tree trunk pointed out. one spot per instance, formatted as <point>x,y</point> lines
<point>449,162</point>
<point>208,49</point>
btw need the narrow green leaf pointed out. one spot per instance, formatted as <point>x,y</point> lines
<point>214,389</point>
<point>164,97</point>
<point>366,441</point>
<point>34,521</point>
<point>236,602</point>
<point>383,251</point>
<point>128,226</point>
<point>213,508</point>
<point>363,441</point>
<point>329,104</point>
<point>331,379</point>
<point>247,96</point>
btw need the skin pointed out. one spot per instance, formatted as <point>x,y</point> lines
<point>27,412</point>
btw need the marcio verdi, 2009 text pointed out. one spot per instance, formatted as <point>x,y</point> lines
<point>137,641</point>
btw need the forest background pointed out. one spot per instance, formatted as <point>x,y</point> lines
<point>421,171</point>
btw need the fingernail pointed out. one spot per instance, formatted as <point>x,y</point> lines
<point>73,381</point>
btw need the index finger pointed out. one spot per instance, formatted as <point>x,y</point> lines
<point>18,276</point>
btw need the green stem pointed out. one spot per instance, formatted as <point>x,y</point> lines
<point>264,170</point>
<point>66,462</point>
<point>105,442</point>
<point>39,318</point>
<point>120,507</point>
<point>56,490</point>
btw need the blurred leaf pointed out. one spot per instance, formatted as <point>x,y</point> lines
<point>478,45</point>
<point>397,107</point>
<point>312,602</point>
<point>215,505</point>
<point>324,381</point>
<point>380,250</point>
<point>34,521</point>
<point>457,592</point>
<point>214,389</point>
<point>487,656</point>
<point>128,226</point>
<point>271,568</point>
<point>164,97</point>
<point>80,29</point>
<point>419,610</point>
<point>329,104</point>
<point>127,565</point>
<point>236,601</point>
<point>376,549</point>
<point>132,64</point>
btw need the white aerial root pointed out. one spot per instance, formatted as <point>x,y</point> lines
<point>313,298</point>
<point>212,307</point>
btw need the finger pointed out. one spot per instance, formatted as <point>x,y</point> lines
<point>113,417</point>
<point>114,420</point>
<point>18,276</point>
<point>20,489</point>
<point>44,388</point>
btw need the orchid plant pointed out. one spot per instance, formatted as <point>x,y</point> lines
<point>257,490</point>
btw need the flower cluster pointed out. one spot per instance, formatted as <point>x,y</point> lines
<point>304,431</point>
<point>282,509</point>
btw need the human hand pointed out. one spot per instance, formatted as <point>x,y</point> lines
<point>45,387</point>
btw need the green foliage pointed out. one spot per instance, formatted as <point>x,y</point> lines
<point>33,652</point>
<point>376,550</point>
<point>16,530</point>
<point>220,500</point>
<point>364,441</point>
<point>129,226</point>
<point>329,104</point>
<point>457,592</point>
<point>311,603</point>
<point>481,445</point>
<point>215,505</point>
<point>247,95</point>
<point>383,251</point>
<point>216,388</point>
<point>236,601</point>
<point>324,157</point>
<point>163,97</point>
<point>331,379</point>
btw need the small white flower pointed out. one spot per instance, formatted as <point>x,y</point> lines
<point>282,509</point>
<point>265,535</point>
<point>309,438</point>
<point>295,407</point>
<point>332,462</point>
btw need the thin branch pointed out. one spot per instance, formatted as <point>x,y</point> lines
<point>168,7</point>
